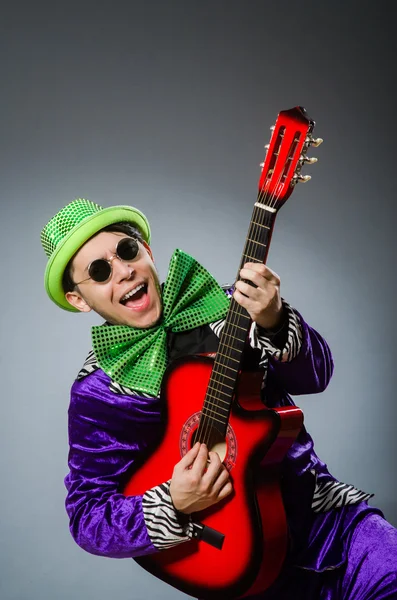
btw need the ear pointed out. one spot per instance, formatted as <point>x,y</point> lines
<point>148,248</point>
<point>77,301</point>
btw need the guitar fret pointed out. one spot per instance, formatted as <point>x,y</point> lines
<point>226,366</point>
<point>218,364</point>
<point>234,325</point>
<point>218,399</point>
<point>252,257</point>
<point>231,348</point>
<point>229,357</point>
<point>264,226</point>
<point>239,315</point>
<point>222,366</point>
<point>232,336</point>
<point>224,384</point>
<point>214,411</point>
<point>215,372</point>
<point>213,418</point>
<point>255,242</point>
<point>219,392</point>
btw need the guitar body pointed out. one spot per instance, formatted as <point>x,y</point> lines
<point>214,403</point>
<point>255,532</point>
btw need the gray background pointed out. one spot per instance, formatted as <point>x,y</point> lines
<point>166,106</point>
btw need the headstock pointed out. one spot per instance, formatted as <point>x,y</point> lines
<point>286,155</point>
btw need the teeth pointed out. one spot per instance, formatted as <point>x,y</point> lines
<point>132,292</point>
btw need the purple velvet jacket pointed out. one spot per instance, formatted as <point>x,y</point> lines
<point>108,432</point>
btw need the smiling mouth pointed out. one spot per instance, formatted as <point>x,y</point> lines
<point>136,298</point>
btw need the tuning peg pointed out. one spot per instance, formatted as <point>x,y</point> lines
<point>313,142</point>
<point>305,160</point>
<point>272,128</point>
<point>316,142</point>
<point>301,178</point>
<point>267,146</point>
<point>261,165</point>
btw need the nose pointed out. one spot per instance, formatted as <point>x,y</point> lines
<point>121,269</point>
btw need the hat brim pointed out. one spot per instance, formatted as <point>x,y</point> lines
<point>77,237</point>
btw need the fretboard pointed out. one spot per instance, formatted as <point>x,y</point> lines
<point>220,392</point>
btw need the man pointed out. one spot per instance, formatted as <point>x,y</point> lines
<point>100,259</point>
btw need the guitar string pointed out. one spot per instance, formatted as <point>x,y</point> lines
<point>229,328</point>
<point>219,370</point>
<point>232,324</point>
<point>251,249</point>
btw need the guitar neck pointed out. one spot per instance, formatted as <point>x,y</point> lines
<point>281,170</point>
<point>220,392</point>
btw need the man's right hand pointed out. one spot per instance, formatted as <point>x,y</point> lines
<point>199,480</point>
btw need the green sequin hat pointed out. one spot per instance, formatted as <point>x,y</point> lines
<point>71,227</point>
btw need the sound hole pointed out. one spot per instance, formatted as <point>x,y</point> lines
<point>214,441</point>
<point>225,447</point>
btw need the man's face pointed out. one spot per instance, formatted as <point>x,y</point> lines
<point>143,309</point>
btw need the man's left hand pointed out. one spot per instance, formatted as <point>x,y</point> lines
<point>262,302</point>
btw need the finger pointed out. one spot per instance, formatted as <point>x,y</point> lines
<point>189,457</point>
<point>248,290</point>
<point>225,491</point>
<point>200,462</point>
<point>259,278</point>
<point>260,268</point>
<point>242,300</point>
<point>213,469</point>
<point>221,480</point>
<point>251,305</point>
<point>254,269</point>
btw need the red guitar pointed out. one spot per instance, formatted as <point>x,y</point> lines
<point>241,541</point>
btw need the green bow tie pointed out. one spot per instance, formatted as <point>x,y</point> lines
<point>137,358</point>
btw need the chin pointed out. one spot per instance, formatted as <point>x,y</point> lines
<point>146,321</point>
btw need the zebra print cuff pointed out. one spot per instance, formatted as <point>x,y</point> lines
<point>164,524</point>
<point>334,494</point>
<point>262,340</point>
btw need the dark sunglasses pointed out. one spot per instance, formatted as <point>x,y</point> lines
<point>100,270</point>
